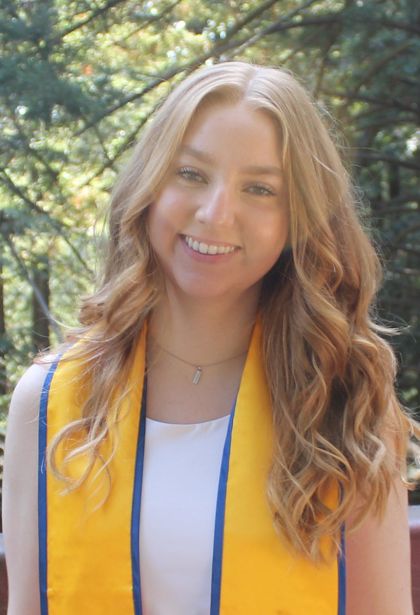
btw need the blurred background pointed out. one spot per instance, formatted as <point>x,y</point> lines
<point>78,81</point>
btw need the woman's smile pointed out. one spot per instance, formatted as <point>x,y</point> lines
<point>207,253</point>
<point>209,247</point>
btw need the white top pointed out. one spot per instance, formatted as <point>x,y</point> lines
<point>178,504</point>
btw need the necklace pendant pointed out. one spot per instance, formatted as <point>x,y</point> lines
<point>197,375</point>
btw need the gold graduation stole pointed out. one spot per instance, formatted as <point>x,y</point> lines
<point>89,560</point>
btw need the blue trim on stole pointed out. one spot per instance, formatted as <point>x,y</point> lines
<point>135,514</point>
<point>342,574</point>
<point>216,577</point>
<point>42,487</point>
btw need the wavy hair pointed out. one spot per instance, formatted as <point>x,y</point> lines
<point>330,373</point>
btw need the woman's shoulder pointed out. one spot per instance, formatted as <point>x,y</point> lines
<point>27,393</point>
<point>33,377</point>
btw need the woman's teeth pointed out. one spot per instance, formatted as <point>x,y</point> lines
<point>205,248</point>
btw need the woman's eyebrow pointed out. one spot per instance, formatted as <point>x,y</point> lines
<point>263,170</point>
<point>187,149</point>
<point>252,169</point>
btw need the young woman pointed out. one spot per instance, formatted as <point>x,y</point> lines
<point>223,436</point>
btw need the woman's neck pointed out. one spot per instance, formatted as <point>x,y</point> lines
<point>202,331</point>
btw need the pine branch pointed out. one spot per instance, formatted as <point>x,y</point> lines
<point>328,19</point>
<point>83,22</point>
<point>396,248</point>
<point>7,180</point>
<point>146,23</point>
<point>413,228</point>
<point>249,17</point>
<point>60,227</point>
<point>391,104</point>
<point>103,9</point>
<point>382,214</point>
<point>120,150</point>
<point>365,155</point>
<point>378,66</point>
<point>412,28</point>
<point>27,275</point>
<point>240,46</point>
<point>33,152</point>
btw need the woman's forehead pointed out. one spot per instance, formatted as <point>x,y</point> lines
<point>234,128</point>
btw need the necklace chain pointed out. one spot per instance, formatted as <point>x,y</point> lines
<point>198,367</point>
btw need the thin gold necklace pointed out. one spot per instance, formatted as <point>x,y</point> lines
<point>198,369</point>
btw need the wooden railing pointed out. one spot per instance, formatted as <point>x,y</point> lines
<point>3,579</point>
<point>415,563</point>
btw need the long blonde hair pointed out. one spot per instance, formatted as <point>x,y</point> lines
<point>330,374</point>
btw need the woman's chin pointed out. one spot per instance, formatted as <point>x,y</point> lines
<point>212,292</point>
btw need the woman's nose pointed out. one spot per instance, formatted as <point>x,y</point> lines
<point>217,206</point>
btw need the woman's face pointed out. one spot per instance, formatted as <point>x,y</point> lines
<point>220,220</point>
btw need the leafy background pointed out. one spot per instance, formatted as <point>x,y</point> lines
<point>78,81</point>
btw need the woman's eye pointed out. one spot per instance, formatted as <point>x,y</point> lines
<point>261,190</point>
<point>190,174</point>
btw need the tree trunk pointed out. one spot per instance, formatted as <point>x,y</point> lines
<point>3,344</point>
<point>40,325</point>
